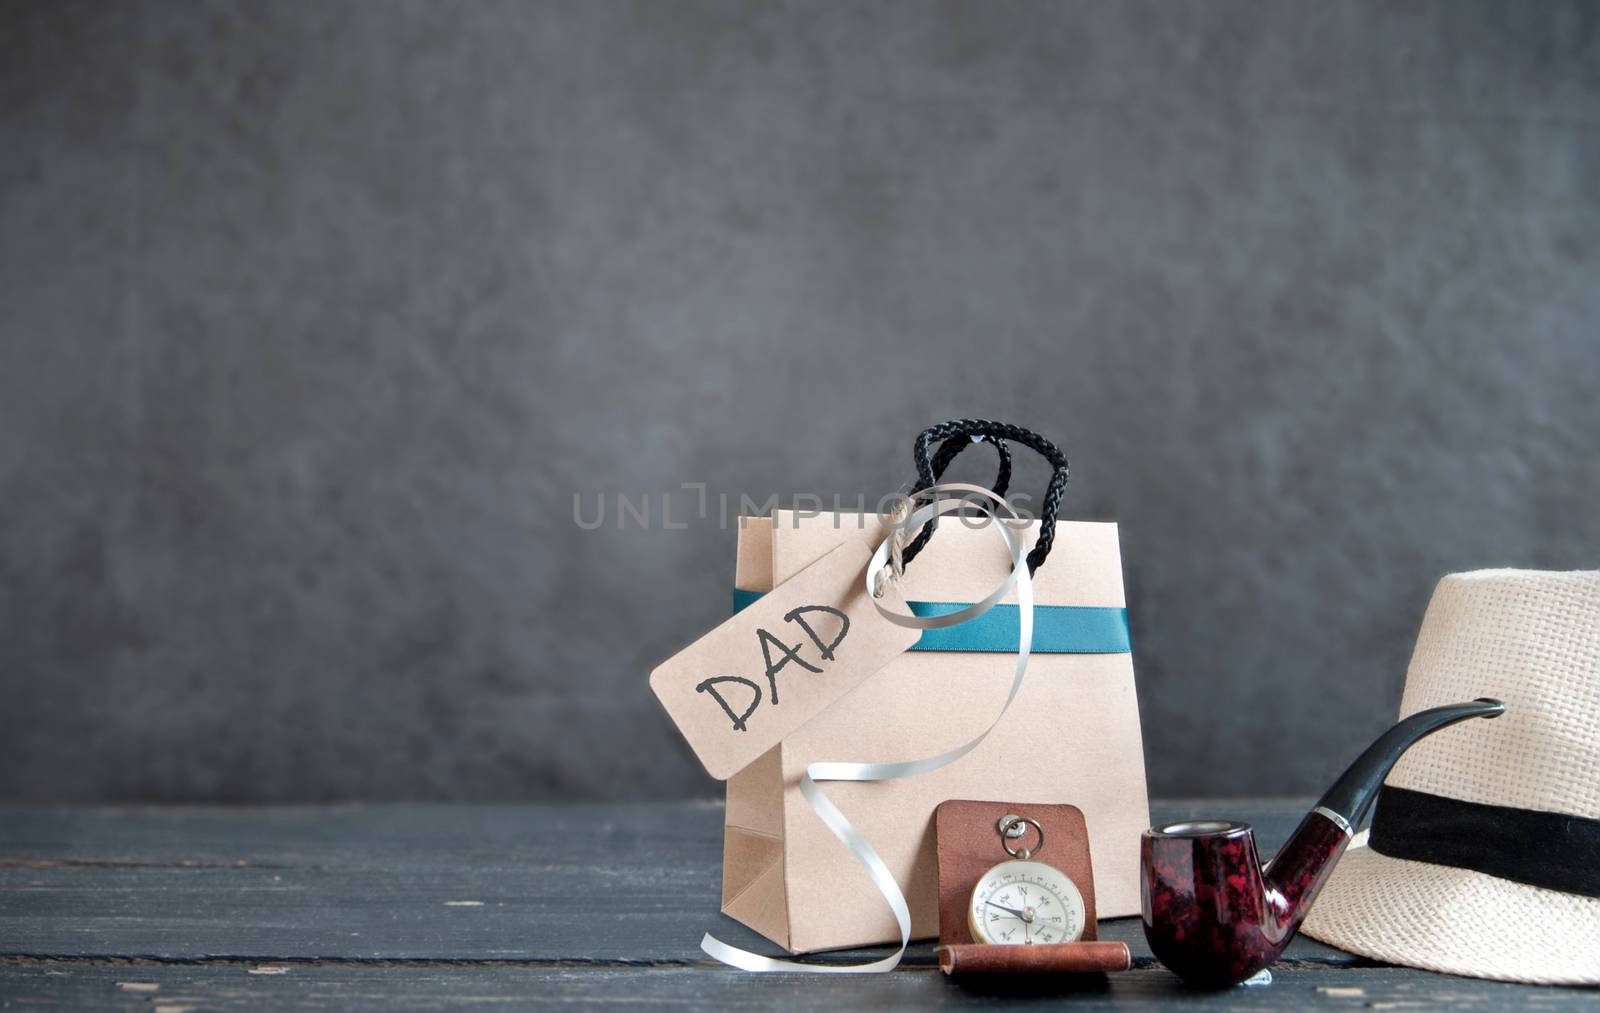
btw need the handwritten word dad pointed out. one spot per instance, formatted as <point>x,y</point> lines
<point>785,656</point>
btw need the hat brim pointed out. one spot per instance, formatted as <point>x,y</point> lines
<point>1456,921</point>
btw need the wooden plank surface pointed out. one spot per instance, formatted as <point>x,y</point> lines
<point>580,884</point>
<point>445,905</point>
<point>179,988</point>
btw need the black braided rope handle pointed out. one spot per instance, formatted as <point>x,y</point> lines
<point>948,451</point>
<point>945,432</point>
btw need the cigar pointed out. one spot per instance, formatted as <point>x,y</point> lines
<point>1052,958</point>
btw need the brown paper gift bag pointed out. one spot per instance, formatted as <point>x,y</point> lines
<point>1072,736</point>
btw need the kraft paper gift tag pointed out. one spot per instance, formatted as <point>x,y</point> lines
<point>739,690</point>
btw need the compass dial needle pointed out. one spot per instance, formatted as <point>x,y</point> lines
<point>1023,893</point>
<point>1024,915</point>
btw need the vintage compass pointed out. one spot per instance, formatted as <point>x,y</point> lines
<point>1021,902</point>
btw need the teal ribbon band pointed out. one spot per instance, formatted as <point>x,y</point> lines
<point>1057,629</point>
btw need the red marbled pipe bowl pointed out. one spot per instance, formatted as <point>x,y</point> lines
<point>1209,914</point>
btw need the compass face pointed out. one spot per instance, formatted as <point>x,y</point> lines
<point>1025,903</point>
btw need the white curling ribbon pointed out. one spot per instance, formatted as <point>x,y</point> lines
<point>829,813</point>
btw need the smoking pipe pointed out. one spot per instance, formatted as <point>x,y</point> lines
<point>1214,916</point>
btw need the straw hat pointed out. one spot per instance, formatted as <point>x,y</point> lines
<point>1484,855</point>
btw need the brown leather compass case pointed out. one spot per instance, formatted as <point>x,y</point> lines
<point>969,845</point>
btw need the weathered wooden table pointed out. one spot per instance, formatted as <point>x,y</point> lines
<point>441,906</point>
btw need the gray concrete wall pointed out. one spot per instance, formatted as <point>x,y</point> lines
<point>314,318</point>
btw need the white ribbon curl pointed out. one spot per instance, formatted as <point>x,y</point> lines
<point>824,808</point>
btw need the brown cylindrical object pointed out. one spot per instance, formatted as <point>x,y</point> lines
<point>1054,958</point>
